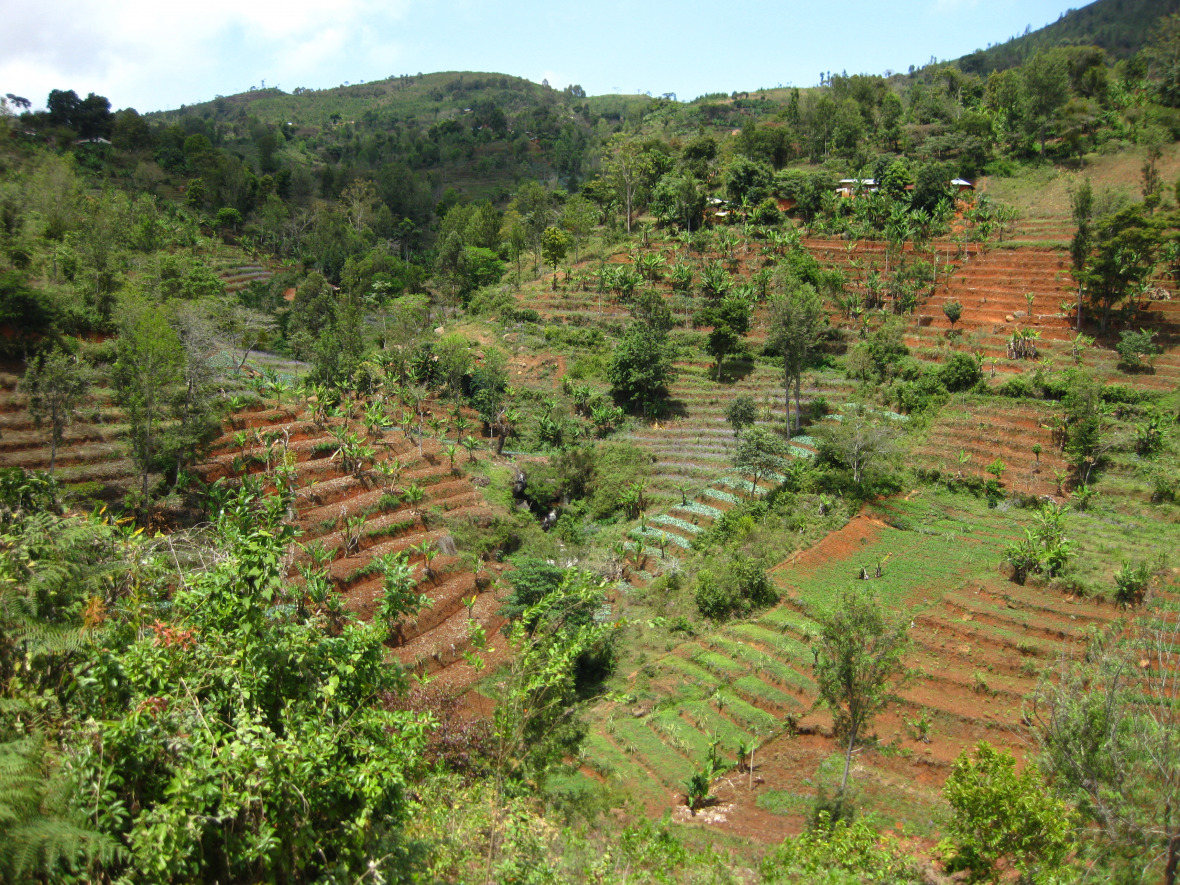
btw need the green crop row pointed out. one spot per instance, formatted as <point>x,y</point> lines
<point>751,718</point>
<point>756,658</point>
<point>755,688</point>
<point>791,649</point>
<point>634,734</point>
<point>720,664</point>
<point>692,672</point>
<point>681,734</point>
<point>710,721</point>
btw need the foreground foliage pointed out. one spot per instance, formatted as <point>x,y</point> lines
<point>226,729</point>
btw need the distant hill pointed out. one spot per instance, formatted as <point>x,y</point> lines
<point>421,99</point>
<point>1121,27</point>
<point>481,133</point>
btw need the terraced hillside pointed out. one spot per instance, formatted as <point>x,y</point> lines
<point>400,497</point>
<point>1023,287</point>
<point>980,644</point>
<point>362,492</point>
<point>93,456</point>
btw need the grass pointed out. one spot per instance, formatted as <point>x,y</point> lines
<point>784,802</point>
<point>705,716</point>
<point>668,765</point>
<point>757,690</point>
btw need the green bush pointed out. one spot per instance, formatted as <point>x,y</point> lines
<point>742,587</point>
<point>839,853</point>
<point>1017,387</point>
<point>999,816</point>
<point>712,598</point>
<point>1165,486</point>
<point>1137,350</point>
<point>960,372</point>
<point>542,486</point>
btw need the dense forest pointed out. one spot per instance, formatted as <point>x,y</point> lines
<point>454,478</point>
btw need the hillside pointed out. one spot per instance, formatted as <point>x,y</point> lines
<point>455,479</point>
<point>1121,27</point>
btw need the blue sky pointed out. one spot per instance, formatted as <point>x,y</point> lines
<point>153,56</point>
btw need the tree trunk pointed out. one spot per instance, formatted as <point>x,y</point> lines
<point>847,760</point>
<point>147,461</point>
<point>1173,860</point>
<point>798,404</point>
<point>787,400</point>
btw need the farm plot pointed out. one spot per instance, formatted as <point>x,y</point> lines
<point>93,455</point>
<point>362,494</point>
<point>970,436</point>
<point>979,645</point>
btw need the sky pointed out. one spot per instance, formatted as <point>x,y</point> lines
<point>159,56</point>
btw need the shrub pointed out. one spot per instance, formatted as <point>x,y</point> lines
<point>742,412</point>
<point>1121,394</point>
<point>961,372</point>
<point>1137,350</point>
<point>743,587</point>
<point>953,311</point>
<point>712,599</point>
<point>1017,387</point>
<point>916,396</point>
<point>542,486</point>
<point>1165,486</point>
<point>838,852</point>
<point>998,815</point>
<point>531,579</point>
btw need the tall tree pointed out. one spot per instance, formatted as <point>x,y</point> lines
<point>578,217</point>
<point>627,166</point>
<point>856,443</point>
<point>641,368</point>
<point>760,452</point>
<point>797,322</point>
<point>148,373</point>
<point>1046,75</point>
<point>730,321</point>
<point>55,383</point>
<point>1081,203</point>
<point>857,664</point>
<point>1126,246</point>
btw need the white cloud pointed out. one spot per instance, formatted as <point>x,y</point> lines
<point>156,55</point>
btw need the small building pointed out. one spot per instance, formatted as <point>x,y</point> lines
<point>850,187</point>
<point>962,184</point>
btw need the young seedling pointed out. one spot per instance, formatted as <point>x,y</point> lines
<point>996,469</point>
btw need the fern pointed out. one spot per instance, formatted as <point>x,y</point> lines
<point>44,835</point>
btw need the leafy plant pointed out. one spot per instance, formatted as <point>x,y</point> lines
<point>1000,816</point>
<point>1137,350</point>
<point>1131,584</point>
